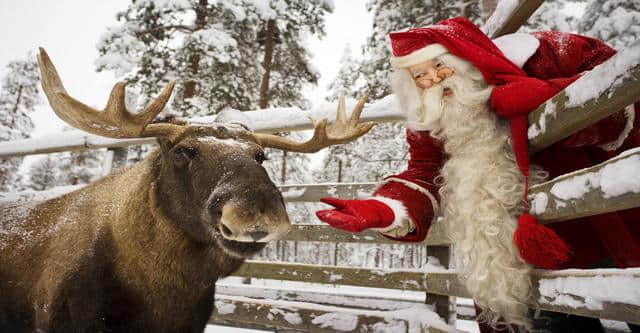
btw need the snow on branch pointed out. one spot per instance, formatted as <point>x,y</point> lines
<point>607,89</point>
<point>508,16</point>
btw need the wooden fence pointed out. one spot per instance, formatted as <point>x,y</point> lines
<point>287,309</point>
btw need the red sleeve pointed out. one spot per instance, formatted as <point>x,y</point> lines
<point>415,187</point>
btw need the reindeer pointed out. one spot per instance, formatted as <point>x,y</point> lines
<point>140,250</point>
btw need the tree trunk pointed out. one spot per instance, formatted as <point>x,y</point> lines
<point>15,108</point>
<point>266,64</point>
<point>190,86</point>
<point>283,168</point>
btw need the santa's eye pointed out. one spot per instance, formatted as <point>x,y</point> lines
<point>438,65</point>
<point>418,75</point>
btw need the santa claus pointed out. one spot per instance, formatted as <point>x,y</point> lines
<point>466,99</point>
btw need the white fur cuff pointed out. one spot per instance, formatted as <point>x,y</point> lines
<point>630,114</point>
<point>414,186</point>
<point>401,217</point>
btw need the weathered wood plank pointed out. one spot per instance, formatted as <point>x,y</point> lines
<point>595,190</point>
<point>323,233</point>
<point>313,192</point>
<point>441,303</point>
<point>441,283</point>
<point>437,282</point>
<point>562,116</point>
<point>614,311</point>
<point>343,297</point>
<point>312,317</point>
<point>509,16</point>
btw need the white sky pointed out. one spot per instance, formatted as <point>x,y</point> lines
<point>70,29</point>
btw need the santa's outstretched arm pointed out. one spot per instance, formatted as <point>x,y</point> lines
<point>404,205</point>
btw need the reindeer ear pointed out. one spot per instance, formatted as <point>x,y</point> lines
<point>165,144</point>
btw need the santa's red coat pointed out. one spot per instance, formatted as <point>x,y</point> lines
<point>594,241</point>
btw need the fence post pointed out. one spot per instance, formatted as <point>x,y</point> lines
<point>442,304</point>
<point>116,158</point>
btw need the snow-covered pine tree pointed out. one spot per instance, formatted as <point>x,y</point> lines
<point>44,173</point>
<point>343,80</point>
<point>616,22</point>
<point>18,98</point>
<point>551,16</point>
<point>79,167</point>
<point>216,51</point>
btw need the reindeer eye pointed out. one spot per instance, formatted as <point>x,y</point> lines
<point>188,152</point>
<point>260,157</point>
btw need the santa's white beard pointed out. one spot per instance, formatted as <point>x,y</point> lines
<point>481,191</point>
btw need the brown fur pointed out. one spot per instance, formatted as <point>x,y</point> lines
<point>135,251</point>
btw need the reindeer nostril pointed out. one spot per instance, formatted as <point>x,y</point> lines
<point>225,230</point>
<point>258,235</point>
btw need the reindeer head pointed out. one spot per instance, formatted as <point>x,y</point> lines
<point>210,180</point>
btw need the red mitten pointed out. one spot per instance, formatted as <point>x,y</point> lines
<point>356,215</point>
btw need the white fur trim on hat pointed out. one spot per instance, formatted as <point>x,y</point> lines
<point>419,56</point>
<point>517,47</point>
<point>630,114</point>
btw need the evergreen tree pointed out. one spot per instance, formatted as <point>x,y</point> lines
<point>616,22</point>
<point>79,167</point>
<point>44,173</point>
<point>550,16</point>
<point>18,97</point>
<point>243,54</point>
<point>348,70</point>
<point>215,50</point>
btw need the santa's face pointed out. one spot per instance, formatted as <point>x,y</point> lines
<point>430,72</point>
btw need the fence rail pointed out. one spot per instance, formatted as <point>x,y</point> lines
<point>446,282</point>
<point>606,89</point>
<point>300,316</point>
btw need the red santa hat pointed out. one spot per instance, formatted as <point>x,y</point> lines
<point>515,94</point>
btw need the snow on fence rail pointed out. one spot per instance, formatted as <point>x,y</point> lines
<point>508,16</point>
<point>238,311</point>
<point>606,89</point>
<point>609,186</point>
<point>264,121</point>
<point>601,293</point>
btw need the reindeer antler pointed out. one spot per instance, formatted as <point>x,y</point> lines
<point>114,121</point>
<point>341,131</point>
